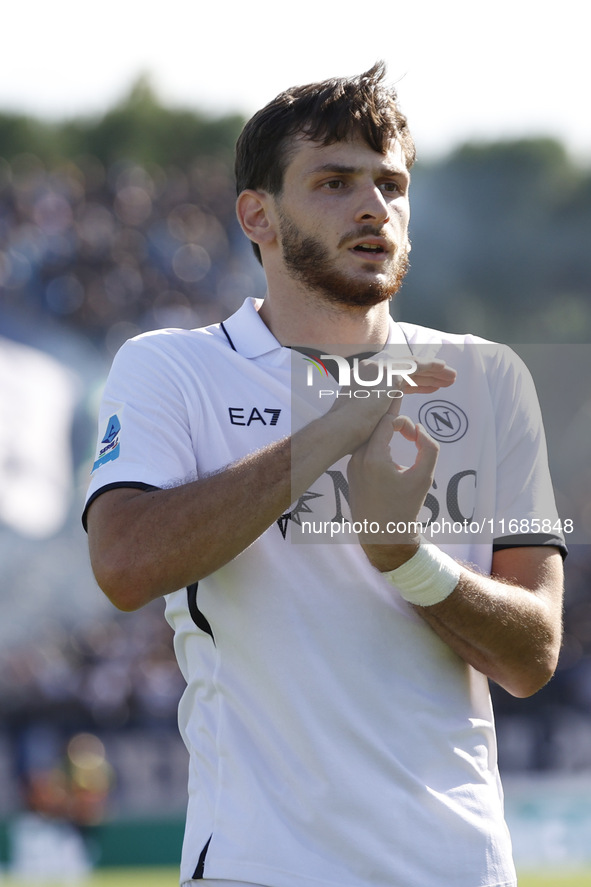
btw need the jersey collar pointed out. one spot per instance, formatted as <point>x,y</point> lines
<point>252,338</point>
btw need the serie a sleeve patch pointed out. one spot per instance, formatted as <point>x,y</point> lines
<point>109,446</point>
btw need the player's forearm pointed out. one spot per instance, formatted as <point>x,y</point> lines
<point>508,632</point>
<point>146,544</point>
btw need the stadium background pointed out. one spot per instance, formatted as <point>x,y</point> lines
<point>124,223</point>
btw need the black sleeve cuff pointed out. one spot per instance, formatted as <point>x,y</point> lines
<point>522,540</point>
<point>137,485</point>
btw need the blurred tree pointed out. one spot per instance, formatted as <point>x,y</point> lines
<point>141,129</point>
<point>502,232</point>
<point>20,134</point>
<point>138,129</point>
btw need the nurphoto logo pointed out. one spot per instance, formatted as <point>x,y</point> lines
<point>368,374</point>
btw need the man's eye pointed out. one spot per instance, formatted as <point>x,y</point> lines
<point>334,184</point>
<point>391,187</point>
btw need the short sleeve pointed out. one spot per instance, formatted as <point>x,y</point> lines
<point>525,509</point>
<point>144,434</point>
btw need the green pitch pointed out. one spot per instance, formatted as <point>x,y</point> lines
<point>168,877</point>
<point>570,879</point>
<point>153,877</point>
<point>129,877</point>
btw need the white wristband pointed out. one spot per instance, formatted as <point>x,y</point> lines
<point>427,578</point>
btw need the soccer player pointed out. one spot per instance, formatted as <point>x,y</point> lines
<point>337,709</point>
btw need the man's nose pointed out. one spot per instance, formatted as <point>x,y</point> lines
<point>372,206</point>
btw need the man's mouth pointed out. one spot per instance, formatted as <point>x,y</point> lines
<point>368,248</point>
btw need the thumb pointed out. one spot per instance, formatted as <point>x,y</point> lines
<point>387,427</point>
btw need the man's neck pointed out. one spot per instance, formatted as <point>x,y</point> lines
<point>310,320</point>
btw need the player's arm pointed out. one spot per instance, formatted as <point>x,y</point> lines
<point>146,543</point>
<point>509,625</point>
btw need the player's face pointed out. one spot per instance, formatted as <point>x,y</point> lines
<point>343,220</point>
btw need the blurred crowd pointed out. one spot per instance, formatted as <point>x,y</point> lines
<point>110,252</point>
<point>115,671</point>
<point>90,255</point>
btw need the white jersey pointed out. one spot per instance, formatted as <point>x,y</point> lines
<point>334,738</point>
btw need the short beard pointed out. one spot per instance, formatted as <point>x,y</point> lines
<point>307,261</point>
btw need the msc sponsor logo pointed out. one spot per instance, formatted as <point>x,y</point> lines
<point>443,420</point>
<point>453,499</point>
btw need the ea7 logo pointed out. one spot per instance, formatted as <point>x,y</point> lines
<point>246,416</point>
<point>374,370</point>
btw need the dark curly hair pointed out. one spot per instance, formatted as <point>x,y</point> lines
<point>326,112</point>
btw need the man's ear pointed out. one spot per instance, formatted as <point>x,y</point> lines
<point>256,217</point>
